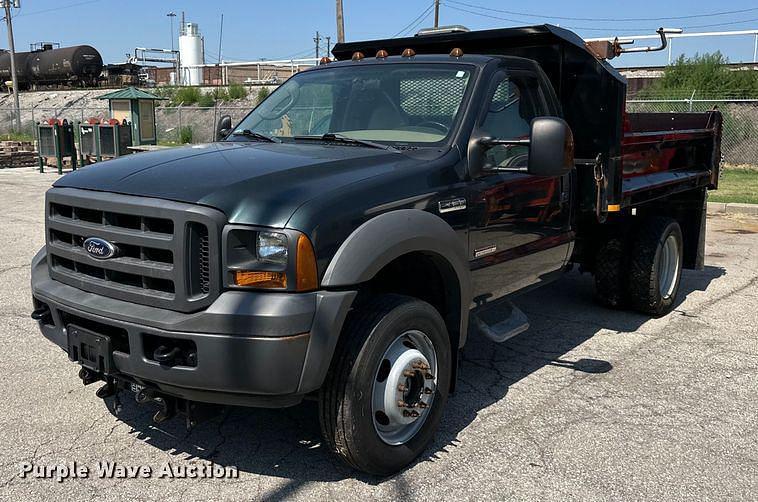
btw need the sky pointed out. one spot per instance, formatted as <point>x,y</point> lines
<point>282,29</point>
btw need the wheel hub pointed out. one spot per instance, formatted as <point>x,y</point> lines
<point>404,387</point>
<point>668,267</point>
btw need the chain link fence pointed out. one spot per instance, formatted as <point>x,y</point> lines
<point>739,142</point>
<point>175,125</point>
<point>192,124</point>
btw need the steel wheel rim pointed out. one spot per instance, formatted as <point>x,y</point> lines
<point>668,267</point>
<point>404,386</point>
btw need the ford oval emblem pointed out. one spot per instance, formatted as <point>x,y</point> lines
<point>99,248</point>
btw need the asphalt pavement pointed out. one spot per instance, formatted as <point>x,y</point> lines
<point>588,404</point>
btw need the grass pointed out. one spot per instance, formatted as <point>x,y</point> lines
<point>263,93</point>
<point>16,136</point>
<point>206,100</point>
<point>237,91</point>
<point>185,135</point>
<point>186,96</point>
<point>737,184</point>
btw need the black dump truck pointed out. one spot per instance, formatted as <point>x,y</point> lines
<point>345,238</point>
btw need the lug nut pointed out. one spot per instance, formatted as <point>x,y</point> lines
<point>421,366</point>
<point>409,373</point>
<point>422,405</point>
<point>427,390</point>
<point>412,414</point>
<point>429,376</point>
<point>402,387</point>
<point>402,404</point>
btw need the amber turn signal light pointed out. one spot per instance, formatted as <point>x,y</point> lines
<point>307,273</point>
<point>260,279</point>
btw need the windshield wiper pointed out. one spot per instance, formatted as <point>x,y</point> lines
<point>332,137</point>
<point>255,135</point>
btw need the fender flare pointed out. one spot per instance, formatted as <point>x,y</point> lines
<point>382,239</point>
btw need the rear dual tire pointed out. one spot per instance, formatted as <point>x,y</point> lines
<point>655,266</point>
<point>645,273</point>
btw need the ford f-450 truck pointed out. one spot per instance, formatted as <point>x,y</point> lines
<point>344,239</point>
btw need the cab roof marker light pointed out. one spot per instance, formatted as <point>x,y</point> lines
<point>324,60</point>
<point>357,56</point>
<point>409,53</point>
<point>381,54</point>
<point>456,53</point>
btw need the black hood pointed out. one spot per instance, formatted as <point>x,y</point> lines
<point>251,182</point>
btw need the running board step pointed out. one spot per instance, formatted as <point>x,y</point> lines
<point>500,321</point>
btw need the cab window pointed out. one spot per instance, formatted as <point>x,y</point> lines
<point>515,102</point>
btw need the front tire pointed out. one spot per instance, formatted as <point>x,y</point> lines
<point>385,392</point>
<point>656,266</point>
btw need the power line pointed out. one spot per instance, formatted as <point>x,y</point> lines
<point>590,28</point>
<point>420,21</point>
<point>299,53</point>
<point>519,21</point>
<point>603,19</point>
<point>720,24</point>
<point>62,7</point>
<point>417,20</point>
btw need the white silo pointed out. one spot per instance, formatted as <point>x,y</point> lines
<point>191,54</point>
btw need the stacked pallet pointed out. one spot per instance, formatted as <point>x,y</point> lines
<point>17,154</point>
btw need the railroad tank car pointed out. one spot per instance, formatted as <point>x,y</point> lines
<point>77,65</point>
<point>22,71</point>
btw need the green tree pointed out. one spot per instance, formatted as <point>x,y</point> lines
<point>707,75</point>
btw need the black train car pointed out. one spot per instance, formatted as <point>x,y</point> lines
<point>121,74</point>
<point>22,71</point>
<point>78,65</point>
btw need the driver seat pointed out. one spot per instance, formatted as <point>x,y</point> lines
<point>381,111</point>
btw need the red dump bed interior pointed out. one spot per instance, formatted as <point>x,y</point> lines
<point>664,153</point>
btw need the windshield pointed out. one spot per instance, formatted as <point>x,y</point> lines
<point>390,103</point>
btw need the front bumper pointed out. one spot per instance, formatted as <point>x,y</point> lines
<point>253,348</point>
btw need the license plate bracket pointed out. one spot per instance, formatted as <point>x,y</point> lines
<point>91,350</point>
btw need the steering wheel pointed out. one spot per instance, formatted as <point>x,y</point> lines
<point>435,125</point>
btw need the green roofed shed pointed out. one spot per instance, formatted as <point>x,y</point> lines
<point>138,108</point>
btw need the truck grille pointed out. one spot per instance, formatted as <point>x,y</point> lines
<point>166,251</point>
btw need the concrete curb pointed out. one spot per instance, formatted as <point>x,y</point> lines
<point>732,208</point>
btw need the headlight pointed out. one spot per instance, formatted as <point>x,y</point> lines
<point>272,247</point>
<point>263,259</point>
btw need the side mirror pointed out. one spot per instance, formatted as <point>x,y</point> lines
<point>224,127</point>
<point>551,151</point>
<point>551,148</point>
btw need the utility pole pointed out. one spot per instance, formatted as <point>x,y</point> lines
<point>220,39</point>
<point>171,16</point>
<point>7,4</point>
<point>328,46</point>
<point>436,13</point>
<point>317,39</point>
<point>340,23</point>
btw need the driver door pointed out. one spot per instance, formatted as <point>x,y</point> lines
<point>519,232</point>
